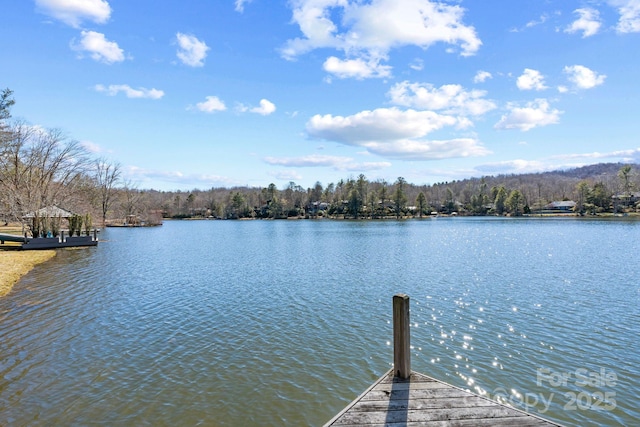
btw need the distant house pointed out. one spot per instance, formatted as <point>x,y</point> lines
<point>630,199</point>
<point>565,206</point>
<point>316,207</point>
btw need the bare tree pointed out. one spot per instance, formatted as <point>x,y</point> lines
<point>107,175</point>
<point>11,169</point>
<point>61,166</point>
<point>131,200</point>
<point>39,168</point>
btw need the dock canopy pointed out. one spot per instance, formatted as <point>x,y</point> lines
<point>50,212</point>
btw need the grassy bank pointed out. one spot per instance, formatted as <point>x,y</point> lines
<point>16,264</point>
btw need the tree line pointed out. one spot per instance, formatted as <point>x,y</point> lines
<point>596,189</point>
<point>41,167</point>
<point>44,167</point>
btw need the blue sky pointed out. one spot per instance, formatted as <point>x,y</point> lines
<point>211,93</point>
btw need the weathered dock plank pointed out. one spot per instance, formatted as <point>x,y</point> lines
<point>402,397</point>
<point>421,400</point>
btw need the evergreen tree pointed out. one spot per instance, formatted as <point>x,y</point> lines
<point>400,198</point>
<point>421,202</point>
<point>500,199</point>
<point>514,201</point>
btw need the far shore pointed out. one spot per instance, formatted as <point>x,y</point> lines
<point>16,263</point>
<point>346,217</point>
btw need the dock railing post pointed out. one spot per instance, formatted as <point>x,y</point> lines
<point>401,337</point>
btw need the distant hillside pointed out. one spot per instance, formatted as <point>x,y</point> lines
<point>606,173</point>
<point>595,172</point>
<point>602,182</point>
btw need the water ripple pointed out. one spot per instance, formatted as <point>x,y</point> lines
<point>274,322</point>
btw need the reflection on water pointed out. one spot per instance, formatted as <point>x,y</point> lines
<point>280,322</point>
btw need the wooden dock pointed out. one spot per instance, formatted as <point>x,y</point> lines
<point>61,241</point>
<point>402,397</point>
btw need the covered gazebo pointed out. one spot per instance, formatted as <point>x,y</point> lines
<point>49,212</point>
<point>41,221</point>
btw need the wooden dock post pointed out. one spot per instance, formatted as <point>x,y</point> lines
<point>401,397</point>
<point>401,337</point>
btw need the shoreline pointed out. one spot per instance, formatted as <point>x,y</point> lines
<point>19,263</point>
<point>342,217</point>
<point>16,263</point>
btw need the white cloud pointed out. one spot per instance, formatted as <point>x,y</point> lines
<point>543,18</point>
<point>240,5</point>
<point>584,78</point>
<point>396,133</point>
<point>629,11</point>
<point>266,107</point>
<point>417,64</point>
<point>314,160</point>
<point>356,68</point>
<point>179,178</point>
<point>287,175</point>
<point>368,31</point>
<point>517,166</point>
<point>533,23</point>
<point>588,22</point>
<point>74,12</point>
<point>368,166</point>
<point>191,51</point>
<point>482,76</point>
<point>623,156</point>
<point>99,47</point>
<point>113,90</point>
<point>212,104</point>
<point>319,160</point>
<point>534,114</point>
<point>451,99</point>
<point>428,149</point>
<point>91,147</point>
<point>383,124</point>
<point>531,80</point>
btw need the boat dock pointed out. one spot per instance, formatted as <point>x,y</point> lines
<point>34,243</point>
<point>402,397</point>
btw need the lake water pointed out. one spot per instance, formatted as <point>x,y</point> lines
<point>237,323</point>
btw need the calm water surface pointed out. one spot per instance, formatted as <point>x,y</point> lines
<point>237,323</point>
